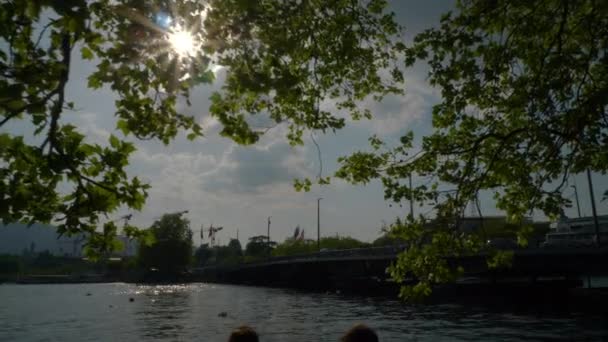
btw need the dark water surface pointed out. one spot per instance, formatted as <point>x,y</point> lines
<point>103,312</point>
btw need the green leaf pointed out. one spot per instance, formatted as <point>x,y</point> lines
<point>123,126</point>
<point>73,25</point>
<point>16,104</point>
<point>114,142</point>
<point>94,82</point>
<point>86,54</point>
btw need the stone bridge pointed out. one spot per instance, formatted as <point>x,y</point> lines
<point>364,269</point>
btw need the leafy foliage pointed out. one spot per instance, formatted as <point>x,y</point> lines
<point>230,254</point>
<point>282,59</point>
<point>387,240</point>
<point>10,264</point>
<point>203,254</point>
<point>172,249</point>
<point>286,57</point>
<point>523,107</point>
<point>293,246</point>
<point>259,247</point>
<point>235,246</point>
<point>341,242</point>
<point>52,174</point>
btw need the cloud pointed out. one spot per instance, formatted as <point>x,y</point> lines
<point>234,187</point>
<point>397,112</point>
<point>173,176</point>
<point>88,124</point>
<point>235,174</point>
<point>258,168</point>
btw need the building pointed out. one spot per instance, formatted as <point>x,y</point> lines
<point>580,224</point>
<point>577,231</point>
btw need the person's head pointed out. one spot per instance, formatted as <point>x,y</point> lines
<point>360,333</point>
<point>243,334</point>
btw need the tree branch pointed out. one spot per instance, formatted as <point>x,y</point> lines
<point>66,50</point>
<point>318,154</point>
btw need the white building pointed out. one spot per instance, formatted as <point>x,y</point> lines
<point>577,231</point>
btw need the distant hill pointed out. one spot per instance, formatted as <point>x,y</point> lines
<point>17,237</point>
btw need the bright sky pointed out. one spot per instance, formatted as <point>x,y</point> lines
<point>238,187</point>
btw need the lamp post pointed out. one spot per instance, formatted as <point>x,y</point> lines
<point>319,223</point>
<point>578,205</point>
<point>595,221</point>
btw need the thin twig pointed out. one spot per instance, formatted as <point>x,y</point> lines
<point>52,21</point>
<point>318,155</point>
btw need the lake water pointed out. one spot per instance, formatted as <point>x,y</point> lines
<point>103,312</point>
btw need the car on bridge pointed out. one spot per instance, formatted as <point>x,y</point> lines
<point>502,243</point>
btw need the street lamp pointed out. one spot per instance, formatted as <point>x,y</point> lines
<point>595,221</point>
<point>578,205</point>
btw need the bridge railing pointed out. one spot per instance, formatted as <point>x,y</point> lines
<point>392,251</point>
<point>338,253</point>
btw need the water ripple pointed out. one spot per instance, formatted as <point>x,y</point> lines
<point>190,313</point>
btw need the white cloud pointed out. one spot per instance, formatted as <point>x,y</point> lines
<point>397,112</point>
<point>173,176</point>
<point>88,125</point>
<point>258,168</point>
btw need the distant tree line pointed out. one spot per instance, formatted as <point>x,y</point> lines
<point>168,249</point>
<point>258,248</point>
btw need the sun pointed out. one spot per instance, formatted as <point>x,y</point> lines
<point>182,42</point>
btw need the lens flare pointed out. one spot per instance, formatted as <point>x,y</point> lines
<point>163,20</point>
<point>182,42</point>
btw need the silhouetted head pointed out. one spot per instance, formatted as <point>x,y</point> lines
<point>360,333</point>
<point>243,334</point>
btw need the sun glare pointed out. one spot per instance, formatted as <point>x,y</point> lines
<point>182,42</point>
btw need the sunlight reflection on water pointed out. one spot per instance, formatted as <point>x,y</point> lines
<point>190,313</point>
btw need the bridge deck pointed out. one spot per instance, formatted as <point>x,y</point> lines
<point>539,261</point>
